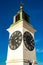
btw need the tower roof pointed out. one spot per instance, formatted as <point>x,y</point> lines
<point>21,15</point>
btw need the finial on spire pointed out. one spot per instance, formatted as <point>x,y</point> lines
<point>21,6</point>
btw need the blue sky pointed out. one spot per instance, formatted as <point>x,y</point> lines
<point>8,8</point>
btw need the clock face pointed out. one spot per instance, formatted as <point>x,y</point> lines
<point>28,41</point>
<point>15,40</point>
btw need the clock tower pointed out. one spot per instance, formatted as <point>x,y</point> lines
<point>21,46</point>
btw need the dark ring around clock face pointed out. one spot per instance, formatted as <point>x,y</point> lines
<point>28,41</point>
<point>15,40</point>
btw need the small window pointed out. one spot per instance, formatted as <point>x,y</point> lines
<point>17,17</point>
<point>25,16</point>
